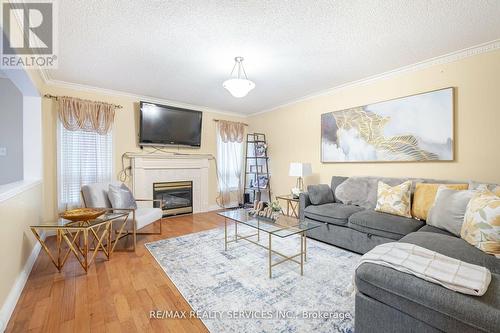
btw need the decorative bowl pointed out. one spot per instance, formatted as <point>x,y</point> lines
<point>82,214</point>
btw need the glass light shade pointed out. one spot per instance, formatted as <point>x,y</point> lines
<point>238,87</point>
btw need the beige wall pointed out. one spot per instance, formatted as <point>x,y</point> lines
<point>125,138</point>
<point>16,239</point>
<point>294,131</point>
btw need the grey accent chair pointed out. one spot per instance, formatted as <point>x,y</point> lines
<point>96,196</point>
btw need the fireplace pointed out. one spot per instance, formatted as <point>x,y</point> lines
<point>177,197</point>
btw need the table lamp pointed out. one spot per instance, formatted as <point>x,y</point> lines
<point>299,170</point>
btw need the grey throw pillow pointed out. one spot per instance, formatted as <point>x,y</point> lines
<point>320,194</point>
<point>449,209</point>
<point>121,197</point>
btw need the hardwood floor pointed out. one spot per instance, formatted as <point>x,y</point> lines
<point>114,296</point>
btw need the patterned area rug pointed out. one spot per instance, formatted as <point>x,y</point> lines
<point>231,291</point>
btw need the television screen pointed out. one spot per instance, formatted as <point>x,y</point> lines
<point>167,125</point>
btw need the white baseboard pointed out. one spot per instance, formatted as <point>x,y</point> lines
<point>16,290</point>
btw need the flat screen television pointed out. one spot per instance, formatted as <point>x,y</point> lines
<point>162,125</point>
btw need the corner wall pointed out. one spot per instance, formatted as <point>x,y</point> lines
<point>293,131</point>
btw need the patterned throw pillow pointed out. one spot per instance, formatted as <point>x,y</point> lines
<point>425,195</point>
<point>394,199</point>
<point>481,226</point>
<point>484,187</point>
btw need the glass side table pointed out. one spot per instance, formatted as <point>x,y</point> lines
<point>99,230</point>
<point>292,205</point>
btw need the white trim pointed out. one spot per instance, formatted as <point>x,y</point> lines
<point>10,190</point>
<point>16,290</point>
<point>439,60</point>
<point>104,91</point>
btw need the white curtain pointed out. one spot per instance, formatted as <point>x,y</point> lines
<point>229,162</point>
<point>83,158</point>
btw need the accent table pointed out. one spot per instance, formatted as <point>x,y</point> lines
<point>99,229</point>
<point>292,204</point>
<point>284,227</point>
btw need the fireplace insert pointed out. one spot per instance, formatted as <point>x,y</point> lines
<point>177,197</point>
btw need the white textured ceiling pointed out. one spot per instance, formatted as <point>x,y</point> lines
<point>183,50</point>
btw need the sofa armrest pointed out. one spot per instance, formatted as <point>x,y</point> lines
<point>303,203</point>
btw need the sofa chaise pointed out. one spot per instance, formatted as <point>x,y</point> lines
<point>388,300</point>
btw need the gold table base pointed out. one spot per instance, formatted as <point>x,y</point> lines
<point>302,253</point>
<point>72,236</point>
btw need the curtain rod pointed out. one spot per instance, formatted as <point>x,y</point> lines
<point>217,120</point>
<point>117,106</point>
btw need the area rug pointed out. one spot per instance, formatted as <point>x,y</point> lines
<point>230,291</point>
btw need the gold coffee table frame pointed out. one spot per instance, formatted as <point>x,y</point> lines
<point>100,229</point>
<point>286,226</point>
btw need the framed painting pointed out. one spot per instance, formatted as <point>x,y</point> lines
<point>410,129</point>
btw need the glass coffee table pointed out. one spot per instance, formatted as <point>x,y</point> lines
<point>284,227</point>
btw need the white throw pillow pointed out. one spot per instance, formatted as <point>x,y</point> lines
<point>449,208</point>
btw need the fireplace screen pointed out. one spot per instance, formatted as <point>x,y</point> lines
<point>177,197</point>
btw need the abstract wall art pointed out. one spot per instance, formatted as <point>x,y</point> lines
<point>412,128</point>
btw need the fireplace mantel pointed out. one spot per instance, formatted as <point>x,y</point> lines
<point>152,168</point>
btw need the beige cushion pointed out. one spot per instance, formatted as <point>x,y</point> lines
<point>424,197</point>
<point>481,226</point>
<point>394,199</point>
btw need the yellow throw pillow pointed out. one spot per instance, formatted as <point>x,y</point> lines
<point>394,199</point>
<point>481,226</point>
<point>424,197</point>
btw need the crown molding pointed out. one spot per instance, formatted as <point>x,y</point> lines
<point>439,60</point>
<point>104,91</point>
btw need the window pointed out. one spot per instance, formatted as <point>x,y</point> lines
<point>83,158</point>
<point>229,158</point>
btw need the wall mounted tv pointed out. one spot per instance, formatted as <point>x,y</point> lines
<point>167,125</point>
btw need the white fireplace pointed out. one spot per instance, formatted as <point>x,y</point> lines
<point>148,169</point>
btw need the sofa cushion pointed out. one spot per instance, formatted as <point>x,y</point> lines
<point>429,302</point>
<point>430,228</point>
<point>382,224</point>
<point>425,195</point>
<point>144,216</point>
<point>320,194</point>
<point>453,247</point>
<point>336,181</point>
<point>362,191</point>
<point>334,213</point>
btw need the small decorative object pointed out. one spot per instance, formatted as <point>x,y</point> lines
<point>262,181</point>
<point>300,170</point>
<point>412,128</point>
<point>275,205</point>
<point>263,209</point>
<point>260,149</point>
<point>82,214</point>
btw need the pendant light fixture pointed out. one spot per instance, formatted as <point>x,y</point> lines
<point>239,86</point>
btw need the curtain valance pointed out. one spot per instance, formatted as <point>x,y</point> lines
<point>85,115</point>
<point>231,131</point>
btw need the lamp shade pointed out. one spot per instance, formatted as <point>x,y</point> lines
<point>298,169</point>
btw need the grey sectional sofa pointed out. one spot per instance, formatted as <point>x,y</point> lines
<point>391,301</point>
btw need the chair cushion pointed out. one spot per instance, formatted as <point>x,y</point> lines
<point>384,225</point>
<point>96,195</point>
<point>145,216</point>
<point>334,213</point>
<point>320,194</point>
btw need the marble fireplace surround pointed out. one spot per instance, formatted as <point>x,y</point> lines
<point>152,168</point>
